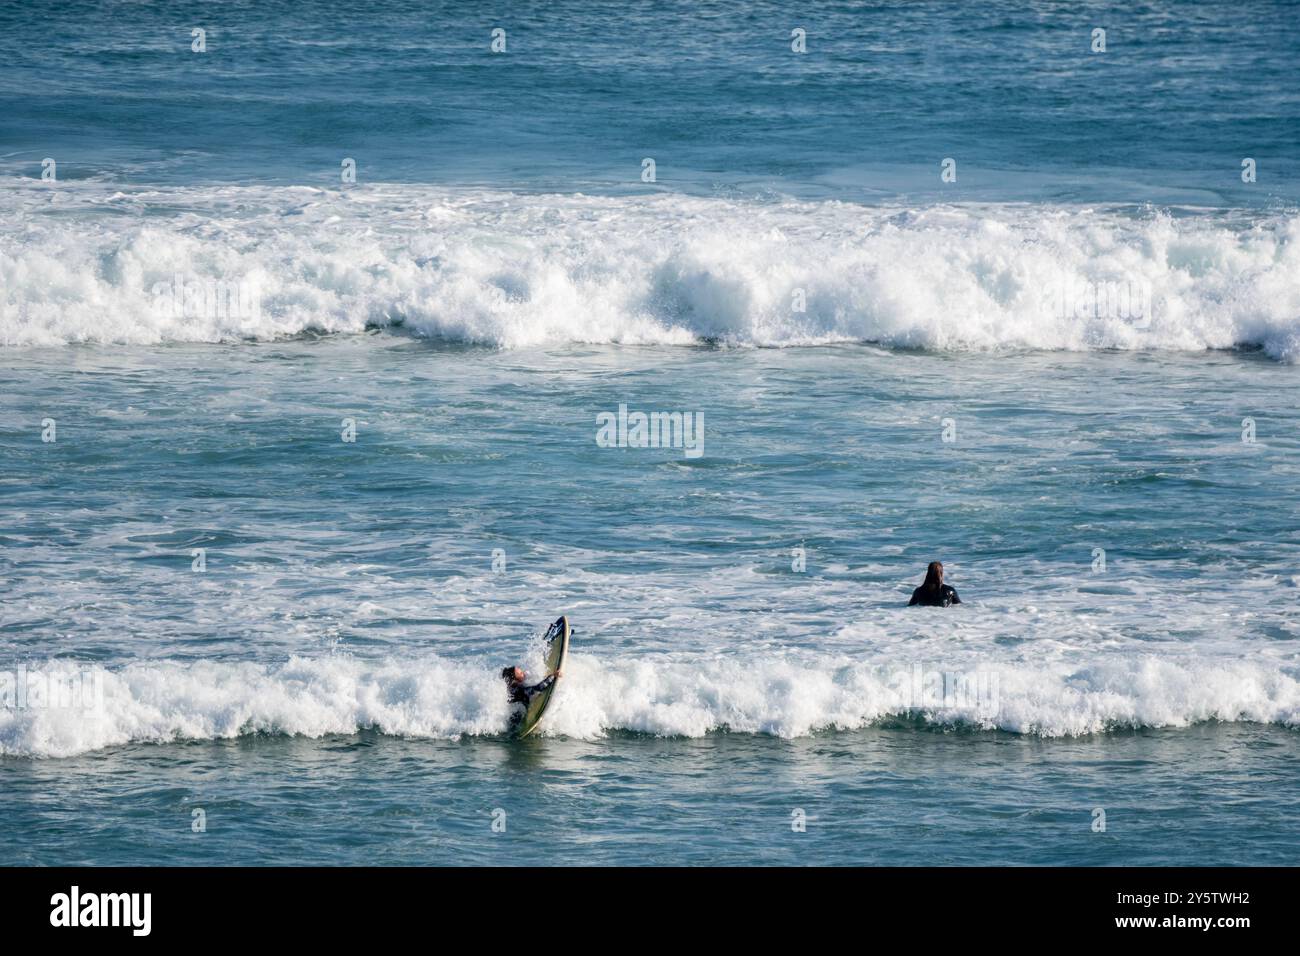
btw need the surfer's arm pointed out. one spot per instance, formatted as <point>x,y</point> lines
<point>953,595</point>
<point>542,684</point>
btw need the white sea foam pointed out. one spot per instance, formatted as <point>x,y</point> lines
<point>429,697</point>
<point>81,264</point>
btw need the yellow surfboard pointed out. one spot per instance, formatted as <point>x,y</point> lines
<point>557,650</point>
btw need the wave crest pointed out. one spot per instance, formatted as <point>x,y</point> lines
<point>513,270</point>
<point>164,701</point>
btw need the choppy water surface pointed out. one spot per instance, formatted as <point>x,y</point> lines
<point>1070,374</point>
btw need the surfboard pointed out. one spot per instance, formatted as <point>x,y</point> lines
<point>557,650</point>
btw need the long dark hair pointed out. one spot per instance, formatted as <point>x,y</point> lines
<point>933,577</point>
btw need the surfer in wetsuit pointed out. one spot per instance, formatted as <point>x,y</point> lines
<point>933,592</point>
<point>521,693</point>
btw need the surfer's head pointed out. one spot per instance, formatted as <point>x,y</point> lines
<point>933,576</point>
<point>513,675</point>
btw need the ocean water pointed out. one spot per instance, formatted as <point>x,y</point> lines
<point>292,467</point>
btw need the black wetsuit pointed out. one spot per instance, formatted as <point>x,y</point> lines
<point>942,598</point>
<point>523,694</point>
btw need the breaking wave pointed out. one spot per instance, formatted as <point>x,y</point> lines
<point>83,263</point>
<point>60,710</point>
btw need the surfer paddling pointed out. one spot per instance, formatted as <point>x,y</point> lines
<point>933,592</point>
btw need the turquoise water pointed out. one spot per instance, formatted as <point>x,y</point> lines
<point>1212,794</point>
<point>585,90</point>
<point>292,467</point>
<point>350,587</point>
